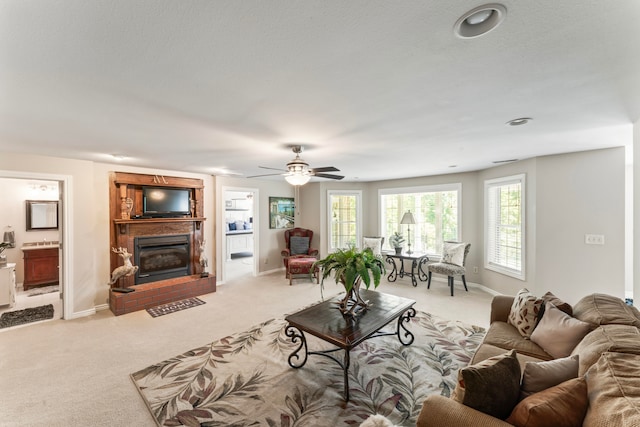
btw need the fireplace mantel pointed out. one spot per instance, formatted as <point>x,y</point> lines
<point>125,206</point>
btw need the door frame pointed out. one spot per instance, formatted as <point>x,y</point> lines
<point>66,232</point>
<point>221,255</point>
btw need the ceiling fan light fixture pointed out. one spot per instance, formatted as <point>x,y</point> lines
<point>480,20</point>
<point>297,178</point>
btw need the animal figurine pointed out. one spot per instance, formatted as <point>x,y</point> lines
<point>127,269</point>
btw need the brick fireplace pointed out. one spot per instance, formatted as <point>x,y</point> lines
<point>164,249</point>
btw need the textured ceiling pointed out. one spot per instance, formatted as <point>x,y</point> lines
<point>379,89</point>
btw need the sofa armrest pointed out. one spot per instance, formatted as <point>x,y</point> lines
<point>500,308</point>
<point>313,252</point>
<point>440,411</point>
<point>285,253</point>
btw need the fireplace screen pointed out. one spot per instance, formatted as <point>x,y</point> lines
<point>162,257</point>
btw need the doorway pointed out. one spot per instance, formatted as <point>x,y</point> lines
<point>48,285</point>
<point>240,226</point>
<point>31,233</point>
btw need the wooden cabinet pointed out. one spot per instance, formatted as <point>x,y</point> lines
<point>239,243</point>
<point>8,284</point>
<point>40,267</point>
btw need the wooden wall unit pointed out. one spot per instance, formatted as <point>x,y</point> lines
<point>41,267</point>
<point>125,205</point>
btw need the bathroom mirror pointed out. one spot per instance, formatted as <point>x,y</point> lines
<point>42,215</point>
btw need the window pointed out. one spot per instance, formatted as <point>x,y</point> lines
<point>345,219</point>
<point>504,233</point>
<point>436,210</point>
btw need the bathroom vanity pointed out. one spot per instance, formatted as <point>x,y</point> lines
<point>40,265</point>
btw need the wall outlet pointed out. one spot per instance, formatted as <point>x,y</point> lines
<point>475,269</point>
<point>594,239</point>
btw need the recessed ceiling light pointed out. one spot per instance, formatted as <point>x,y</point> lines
<point>519,121</point>
<point>496,162</point>
<point>480,20</point>
<point>119,156</point>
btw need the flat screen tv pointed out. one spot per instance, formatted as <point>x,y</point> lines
<point>161,202</point>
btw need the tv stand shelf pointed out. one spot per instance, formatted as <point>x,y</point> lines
<point>122,223</point>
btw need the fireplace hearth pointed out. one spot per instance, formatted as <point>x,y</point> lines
<point>162,257</point>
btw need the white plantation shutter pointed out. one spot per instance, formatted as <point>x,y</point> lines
<point>504,225</point>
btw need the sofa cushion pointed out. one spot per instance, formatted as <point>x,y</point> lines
<point>506,336</point>
<point>538,376</point>
<point>618,338</point>
<point>491,386</point>
<point>614,395</point>
<point>601,309</point>
<point>560,304</point>
<point>524,312</point>
<point>563,405</point>
<point>558,333</point>
<point>486,351</point>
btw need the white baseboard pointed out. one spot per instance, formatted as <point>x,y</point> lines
<point>78,314</point>
<point>469,284</point>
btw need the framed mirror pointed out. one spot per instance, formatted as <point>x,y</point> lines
<point>42,215</point>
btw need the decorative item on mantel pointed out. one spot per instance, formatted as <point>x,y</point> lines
<point>128,269</point>
<point>126,207</point>
<point>351,267</point>
<point>204,262</point>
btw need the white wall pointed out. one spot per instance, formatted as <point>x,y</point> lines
<point>578,194</point>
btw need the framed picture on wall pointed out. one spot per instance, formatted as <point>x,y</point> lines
<point>281,212</point>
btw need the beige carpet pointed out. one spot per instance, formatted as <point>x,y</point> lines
<point>76,372</point>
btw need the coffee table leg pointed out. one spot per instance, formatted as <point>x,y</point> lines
<point>347,361</point>
<point>295,334</point>
<point>394,272</point>
<point>405,337</point>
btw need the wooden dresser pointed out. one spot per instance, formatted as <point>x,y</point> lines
<point>40,266</point>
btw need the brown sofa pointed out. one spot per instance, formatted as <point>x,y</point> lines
<point>609,360</point>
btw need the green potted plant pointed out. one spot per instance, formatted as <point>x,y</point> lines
<point>351,267</point>
<point>396,240</point>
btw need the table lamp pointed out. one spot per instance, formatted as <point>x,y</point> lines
<point>408,219</point>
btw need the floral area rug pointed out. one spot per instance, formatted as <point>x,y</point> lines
<point>245,379</point>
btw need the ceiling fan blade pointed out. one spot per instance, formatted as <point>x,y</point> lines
<point>268,174</point>
<point>327,175</point>
<point>326,169</point>
<point>275,169</point>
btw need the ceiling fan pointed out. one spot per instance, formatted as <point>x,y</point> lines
<point>298,171</point>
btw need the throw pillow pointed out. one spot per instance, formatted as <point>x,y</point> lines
<point>538,376</point>
<point>299,245</point>
<point>375,243</point>
<point>558,333</point>
<point>524,312</point>
<point>453,253</point>
<point>491,386</point>
<point>550,297</point>
<point>564,405</point>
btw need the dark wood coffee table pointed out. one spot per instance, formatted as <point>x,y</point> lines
<point>325,321</point>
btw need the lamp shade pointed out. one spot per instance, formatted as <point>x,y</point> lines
<point>297,178</point>
<point>408,218</point>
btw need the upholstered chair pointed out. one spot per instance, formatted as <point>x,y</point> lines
<point>298,245</point>
<point>454,257</point>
